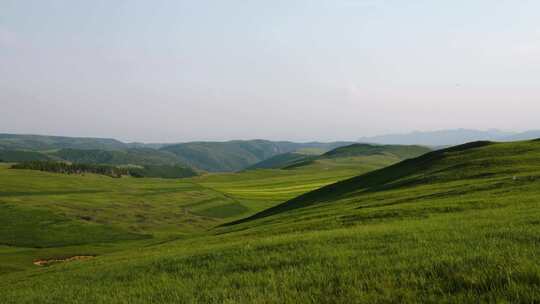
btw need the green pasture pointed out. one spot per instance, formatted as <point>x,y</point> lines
<point>459,225</point>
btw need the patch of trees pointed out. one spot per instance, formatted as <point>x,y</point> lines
<point>66,168</point>
<point>108,170</point>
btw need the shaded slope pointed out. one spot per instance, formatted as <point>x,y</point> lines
<point>280,161</point>
<point>355,153</point>
<point>408,172</point>
<point>401,151</point>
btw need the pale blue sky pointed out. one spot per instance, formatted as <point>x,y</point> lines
<point>299,70</point>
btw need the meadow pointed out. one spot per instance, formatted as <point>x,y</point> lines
<point>49,215</point>
<point>457,225</point>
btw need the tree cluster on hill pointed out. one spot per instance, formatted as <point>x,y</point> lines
<point>162,171</point>
<point>66,168</point>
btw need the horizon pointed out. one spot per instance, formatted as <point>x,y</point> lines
<point>358,139</point>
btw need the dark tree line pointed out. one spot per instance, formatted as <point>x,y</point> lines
<point>162,171</point>
<point>66,168</point>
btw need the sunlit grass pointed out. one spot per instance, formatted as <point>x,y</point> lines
<point>458,226</point>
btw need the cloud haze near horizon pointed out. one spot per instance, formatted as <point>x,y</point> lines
<point>169,71</point>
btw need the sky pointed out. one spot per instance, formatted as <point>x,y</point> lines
<point>171,71</point>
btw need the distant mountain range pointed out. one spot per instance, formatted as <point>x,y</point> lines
<point>449,137</point>
<point>227,156</point>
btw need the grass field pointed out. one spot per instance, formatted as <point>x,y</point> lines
<point>49,215</point>
<point>458,225</point>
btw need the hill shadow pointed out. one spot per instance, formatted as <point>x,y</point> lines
<point>373,181</point>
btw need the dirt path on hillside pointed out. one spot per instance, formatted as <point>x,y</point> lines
<point>47,262</point>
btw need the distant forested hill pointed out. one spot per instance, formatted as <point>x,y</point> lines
<point>163,171</point>
<point>21,155</point>
<point>134,156</point>
<point>207,156</point>
<point>237,154</point>
<point>42,142</point>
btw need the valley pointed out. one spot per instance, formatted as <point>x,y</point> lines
<point>355,222</point>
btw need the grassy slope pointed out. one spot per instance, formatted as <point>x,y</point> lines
<point>280,160</point>
<point>261,189</point>
<point>50,210</point>
<point>454,226</point>
<point>459,225</point>
<point>351,152</point>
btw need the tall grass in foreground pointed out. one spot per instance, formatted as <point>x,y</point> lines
<point>461,226</point>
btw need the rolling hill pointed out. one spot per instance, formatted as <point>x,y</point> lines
<point>350,153</point>
<point>204,156</point>
<point>142,162</point>
<point>281,160</point>
<point>57,207</point>
<point>131,156</point>
<point>44,142</point>
<point>455,225</point>
<point>400,151</point>
<point>402,173</point>
<point>237,155</point>
<point>21,155</point>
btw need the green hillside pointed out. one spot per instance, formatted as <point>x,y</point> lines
<point>152,210</point>
<point>395,176</point>
<point>18,155</point>
<point>457,225</point>
<point>133,156</point>
<point>204,156</point>
<point>237,154</point>
<point>280,161</point>
<point>61,167</point>
<point>342,155</point>
<point>138,162</point>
